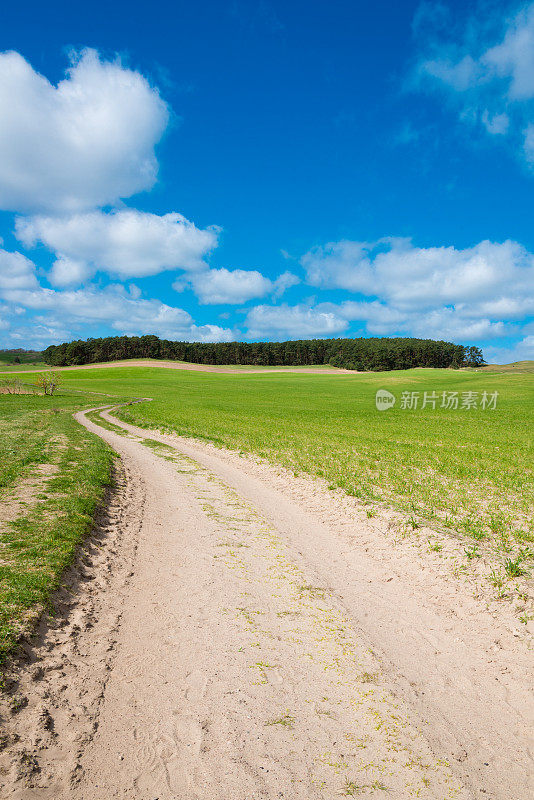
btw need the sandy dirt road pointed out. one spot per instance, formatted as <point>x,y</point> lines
<point>233,637</point>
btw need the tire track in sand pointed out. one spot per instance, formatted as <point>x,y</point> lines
<point>237,672</point>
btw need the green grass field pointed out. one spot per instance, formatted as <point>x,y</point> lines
<point>53,474</point>
<point>468,472</point>
<point>27,360</point>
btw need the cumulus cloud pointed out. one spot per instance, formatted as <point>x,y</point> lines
<point>510,61</point>
<point>472,294</point>
<point>84,143</point>
<point>522,350</point>
<point>492,82</point>
<point>16,271</point>
<point>284,282</point>
<point>456,323</point>
<point>56,313</point>
<point>224,286</point>
<point>126,243</point>
<point>67,272</point>
<point>219,286</point>
<point>411,277</point>
<point>293,322</point>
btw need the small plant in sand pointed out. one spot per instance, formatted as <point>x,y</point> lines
<point>286,721</point>
<point>498,581</point>
<point>472,552</point>
<point>313,591</point>
<point>368,677</point>
<point>513,567</point>
<point>351,789</point>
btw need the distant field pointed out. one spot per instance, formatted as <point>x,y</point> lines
<point>469,471</point>
<point>14,368</point>
<point>175,364</point>
<point>29,359</point>
<point>516,366</point>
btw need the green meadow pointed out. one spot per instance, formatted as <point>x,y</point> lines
<point>468,470</point>
<point>53,475</point>
<point>20,361</point>
<point>465,471</point>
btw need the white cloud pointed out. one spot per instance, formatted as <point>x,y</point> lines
<point>61,312</point>
<point>521,351</point>
<point>16,271</point>
<point>380,319</point>
<point>511,61</point>
<point>292,321</point>
<point>68,272</point>
<point>220,286</point>
<point>456,324</point>
<point>493,83</point>
<point>418,278</point>
<point>4,311</point>
<point>86,142</point>
<point>340,265</point>
<point>126,243</point>
<point>478,293</point>
<point>284,282</point>
<point>460,76</point>
<point>497,124</point>
<point>513,58</point>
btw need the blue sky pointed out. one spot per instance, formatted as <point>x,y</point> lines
<point>268,170</point>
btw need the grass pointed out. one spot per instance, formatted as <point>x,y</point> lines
<point>516,366</point>
<point>8,368</point>
<point>468,472</point>
<point>64,470</point>
<point>29,360</point>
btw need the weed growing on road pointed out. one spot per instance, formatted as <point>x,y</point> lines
<point>286,720</point>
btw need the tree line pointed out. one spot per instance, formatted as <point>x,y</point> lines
<point>374,354</point>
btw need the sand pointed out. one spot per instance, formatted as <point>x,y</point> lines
<point>232,633</point>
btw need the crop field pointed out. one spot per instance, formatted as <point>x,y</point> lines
<point>52,476</point>
<point>11,361</point>
<point>468,470</point>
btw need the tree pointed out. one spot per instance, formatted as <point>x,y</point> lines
<point>363,354</point>
<point>49,382</point>
<point>473,357</point>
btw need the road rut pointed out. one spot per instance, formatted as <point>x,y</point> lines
<point>249,652</point>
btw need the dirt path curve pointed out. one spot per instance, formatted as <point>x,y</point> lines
<point>252,652</point>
